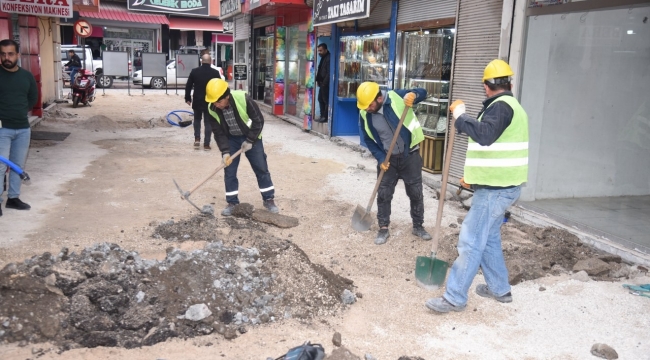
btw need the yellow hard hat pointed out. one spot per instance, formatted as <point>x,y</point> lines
<point>214,90</point>
<point>496,69</point>
<point>366,94</point>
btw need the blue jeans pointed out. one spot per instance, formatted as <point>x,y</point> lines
<point>479,244</point>
<point>257,159</point>
<point>14,144</point>
<point>198,113</point>
<point>73,72</point>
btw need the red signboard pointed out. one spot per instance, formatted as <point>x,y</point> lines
<point>46,8</point>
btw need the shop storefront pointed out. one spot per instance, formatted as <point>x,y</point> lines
<point>425,41</point>
<point>283,57</point>
<point>585,84</point>
<point>243,48</point>
<point>115,28</point>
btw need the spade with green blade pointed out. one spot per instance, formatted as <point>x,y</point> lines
<point>430,272</point>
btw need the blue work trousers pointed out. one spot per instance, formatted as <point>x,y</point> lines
<point>257,159</point>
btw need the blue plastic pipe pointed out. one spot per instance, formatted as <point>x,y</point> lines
<point>180,122</point>
<point>23,175</point>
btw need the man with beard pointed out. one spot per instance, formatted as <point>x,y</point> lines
<point>380,112</point>
<point>18,95</point>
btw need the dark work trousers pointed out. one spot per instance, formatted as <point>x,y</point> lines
<point>408,169</point>
<point>324,100</point>
<point>257,159</point>
<point>198,113</point>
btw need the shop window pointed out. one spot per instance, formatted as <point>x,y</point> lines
<point>363,58</point>
<point>586,89</point>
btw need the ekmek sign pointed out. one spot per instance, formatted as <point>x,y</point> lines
<point>189,7</point>
<point>52,8</point>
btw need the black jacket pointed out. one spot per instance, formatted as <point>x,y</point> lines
<point>221,131</point>
<point>323,73</point>
<point>74,61</point>
<point>198,79</point>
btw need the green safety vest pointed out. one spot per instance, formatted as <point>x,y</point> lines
<point>410,122</point>
<point>240,101</point>
<point>504,163</point>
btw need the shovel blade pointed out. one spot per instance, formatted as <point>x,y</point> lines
<point>361,219</point>
<point>430,272</point>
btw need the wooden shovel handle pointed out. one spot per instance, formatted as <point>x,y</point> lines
<point>386,160</point>
<point>443,190</point>
<point>212,174</point>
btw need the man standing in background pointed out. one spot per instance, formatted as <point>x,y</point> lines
<point>18,95</point>
<point>198,79</point>
<point>323,82</point>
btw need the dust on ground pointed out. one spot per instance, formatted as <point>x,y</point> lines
<point>114,186</point>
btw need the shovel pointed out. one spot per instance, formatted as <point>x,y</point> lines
<point>362,218</point>
<point>185,195</point>
<point>430,272</point>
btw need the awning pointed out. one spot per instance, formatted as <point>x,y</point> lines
<point>200,24</point>
<point>119,12</point>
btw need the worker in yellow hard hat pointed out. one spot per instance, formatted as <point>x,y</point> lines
<point>496,166</point>
<point>237,123</point>
<point>380,112</point>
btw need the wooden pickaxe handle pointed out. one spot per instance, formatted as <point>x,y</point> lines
<point>186,195</point>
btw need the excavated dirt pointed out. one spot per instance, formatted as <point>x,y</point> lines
<point>109,296</point>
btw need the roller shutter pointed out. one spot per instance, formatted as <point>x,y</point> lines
<point>260,21</point>
<point>379,14</point>
<point>478,31</point>
<point>411,11</point>
<point>242,28</point>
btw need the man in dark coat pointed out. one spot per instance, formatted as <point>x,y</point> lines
<point>323,81</point>
<point>198,79</point>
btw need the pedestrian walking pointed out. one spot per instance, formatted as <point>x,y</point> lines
<point>198,79</point>
<point>18,95</point>
<point>74,64</point>
<point>495,167</point>
<point>323,82</point>
<point>237,123</point>
<point>380,112</point>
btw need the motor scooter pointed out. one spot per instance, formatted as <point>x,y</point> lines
<point>83,88</point>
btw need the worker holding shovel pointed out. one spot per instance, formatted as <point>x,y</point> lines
<point>237,123</point>
<point>496,165</point>
<point>380,112</point>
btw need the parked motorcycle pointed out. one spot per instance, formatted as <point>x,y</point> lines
<point>83,88</point>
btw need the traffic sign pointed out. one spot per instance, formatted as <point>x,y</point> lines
<point>83,28</point>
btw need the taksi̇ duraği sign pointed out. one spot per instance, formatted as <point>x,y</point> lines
<point>189,7</point>
<point>333,11</point>
<point>47,8</point>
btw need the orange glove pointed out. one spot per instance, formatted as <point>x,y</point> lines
<point>457,108</point>
<point>409,99</point>
<point>384,166</point>
<point>463,183</point>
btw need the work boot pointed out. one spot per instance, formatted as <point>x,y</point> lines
<point>270,206</point>
<point>197,142</point>
<point>382,237</point>
<point>421,233</point>
<point>441,305</point>
<point>484,291</point>
<point>17,204</point>
<point>227,211</point>
<point>207,147</point>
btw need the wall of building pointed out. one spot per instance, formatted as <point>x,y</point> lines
<point>45,38</point>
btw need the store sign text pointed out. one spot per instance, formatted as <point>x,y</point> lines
<point>193,7</point>
<point>229,8</point>
<point>53,8</point>
<point>332,11</point>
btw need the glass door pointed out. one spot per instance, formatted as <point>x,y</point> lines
<point>295,69</point>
